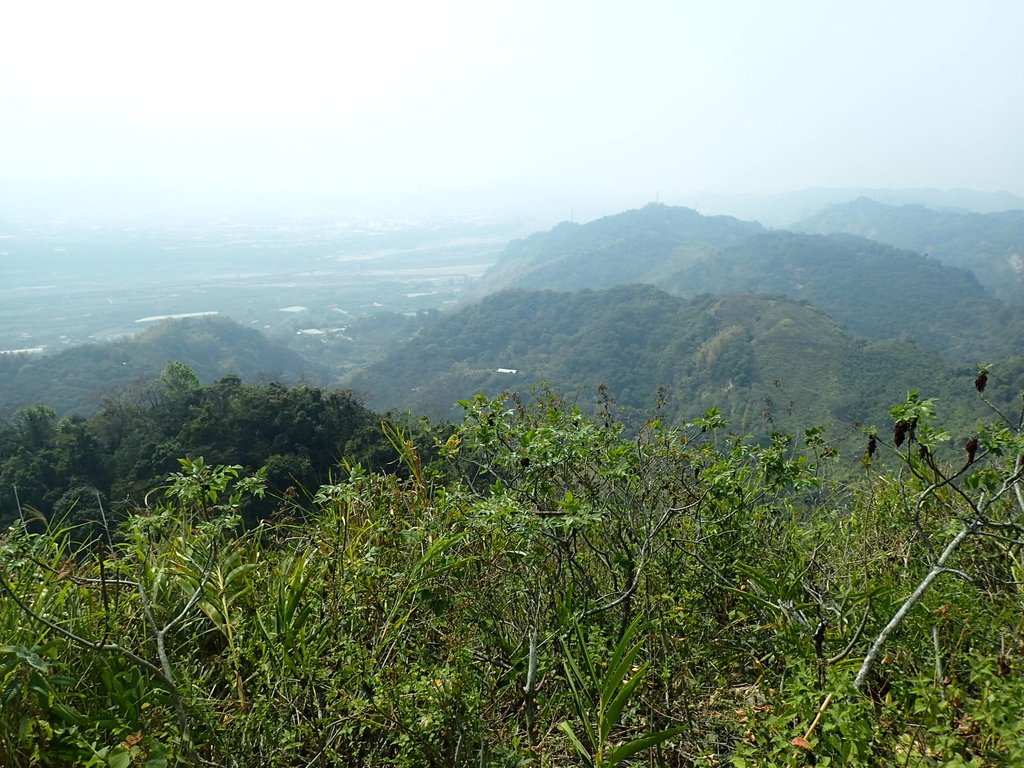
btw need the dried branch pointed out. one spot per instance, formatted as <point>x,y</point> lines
<point>936,570</point>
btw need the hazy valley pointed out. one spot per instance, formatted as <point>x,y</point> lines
<point>68,284</point>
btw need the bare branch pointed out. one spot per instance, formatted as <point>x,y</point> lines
<point>77,639</point>
<point>936,570</point>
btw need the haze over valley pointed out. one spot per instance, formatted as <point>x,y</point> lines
<point>67,285</point>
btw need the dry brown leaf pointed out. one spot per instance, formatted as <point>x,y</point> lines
<point>133,740</point>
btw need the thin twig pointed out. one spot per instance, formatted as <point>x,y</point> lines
<point>853,640</point>
<point>81,641</point>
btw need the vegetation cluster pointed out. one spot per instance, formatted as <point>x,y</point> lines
<point>64,467</point>
<point>552,589</point>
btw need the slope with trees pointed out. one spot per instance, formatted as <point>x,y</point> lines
<point>874,289</point>
<point>989,244</point>
<point>766,362</point>
<point>77,380</point>
<point>300,436</point>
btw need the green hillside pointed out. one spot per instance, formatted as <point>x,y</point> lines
<point>989,244</point>
<point>876,290</point>
<point>767,361</point>
<point>873,289</point>
<point>77,380</point>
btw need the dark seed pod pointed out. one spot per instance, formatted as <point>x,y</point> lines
<point>899,433</point>
<point>981,381</point>
<point>1003,667</point>
<point>872,446</point>
<point>923,451</point>
<point>524,462</point>
<point>972,448</point>
<point>912,429</point>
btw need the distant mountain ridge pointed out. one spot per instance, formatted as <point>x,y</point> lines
<point>874,289</point>
<point>782,209</point>
<point>638,246</point>
<point>989,244</point>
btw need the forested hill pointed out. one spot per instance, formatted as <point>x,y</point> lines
<point>873,289</point>
<point>302,435</point>
<point>989,244</point>
<point>767,362</point>
<point>77,380</point>
<point>638,246</point>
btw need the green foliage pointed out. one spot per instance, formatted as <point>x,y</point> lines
<point>599,699</point>
<point>299,435</point>
<point>555,589</point>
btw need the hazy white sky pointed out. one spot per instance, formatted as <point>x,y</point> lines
<point>374,99</point>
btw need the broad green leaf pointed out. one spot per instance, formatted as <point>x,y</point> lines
<point>119,757</point>
<point>617,670</point>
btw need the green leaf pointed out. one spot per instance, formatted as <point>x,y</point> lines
<point>583,752</point>
<point>69,714</point>
<point>615,708</point>
<point>582,700</point>
<point>119,757</point>
<point>631,748</point>
<point>587,660</point>
<point>29,657</point>
<point>157,756</point>
<point>618,667</point>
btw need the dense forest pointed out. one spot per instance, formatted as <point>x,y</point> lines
<point>63,467</point>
